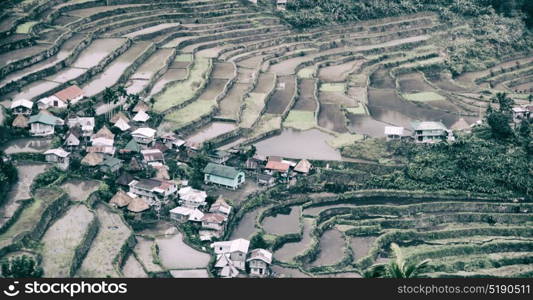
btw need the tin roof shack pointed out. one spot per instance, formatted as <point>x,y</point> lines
<point>431,132</point>
<point>144,136</point>
<point>21,107</point>
<point>220,206</point>
<point>213,226</point>
<point>394,133</point>
<point>259,262</point>
<point>86,124</point>
<point>111,165</point>
<point>192,198</point>
<point>303,167</point>
<point>153,156</point>
<point>154,191</point>
<point>521,113</point>
<point>231,256</point>
<point>43,124</point>
<point>59,157</point>
<point>184,214</point>
<point>223,175</point>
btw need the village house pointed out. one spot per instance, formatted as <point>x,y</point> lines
<point>213,226</point>
<point>522,112</point>
<point>86,124</point>
<point>104,137</point>
<point>138,204</point>
<point>144,136</point>
<point>394,132</point>
<point>21,107</point>
<point>107,150</point>
<point>192,198</point>
<point>141,117</point>
<point>151,156</point>
<point>259,262</point>
<point>281,4</point>
<point>43,124</point>
<point>184,214</point>
<point>231,253</point>
<point>223,175</point>
<point>431,132</point>
<point>219,157</point>
<point>141,105</point>
<point>118,116</point>
<point>132,146</point>
<point>111,165</point>
<point>92,159</point>
<point>122,124</point>
<point>275,166</point>
<point>153,190</point>
<point>71,95</point>
<point>120,199</point>
<point>221,207</point>
<point>73,138</point>
<point>266,180</point>
<point>59,157</point>
<point>303,167</point>
<point>172,142</point>
<point>20,122</point>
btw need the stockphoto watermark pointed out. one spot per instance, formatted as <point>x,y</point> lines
<point>71,289</point>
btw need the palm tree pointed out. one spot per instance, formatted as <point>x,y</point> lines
<point>397,268</point>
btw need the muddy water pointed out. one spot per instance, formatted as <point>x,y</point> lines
<point>283,224</point>
<point>210,131</point>
<point>143,250</point>
<point>133,269</point>
<point>283,93</point>
<point>21,190</point>
<point>307,99</point>
<point>34,145</point>
<point>413,83</point>
<point>15,55</point>
<point>288,272</point>
<point>246,227</point>
<point>361,245</point>
<point>80,190</point>
<point>34,90</point>
<point>153,64</point>
<point>331,248</point>
<point>332,117</point>
<point>291,250</point>
<point>169,76</point>
<point>114,71</point>
<point>175,254</point>
<point>151,29</point>
<point>213,89</point>
<point>289,144</point>
<point>97,51</point>
<point>194,273</point>
<point>386,106</point>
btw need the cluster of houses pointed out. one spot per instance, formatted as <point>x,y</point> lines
<point>269,169</point>
<point>426,132</point>
<point>232,257</point>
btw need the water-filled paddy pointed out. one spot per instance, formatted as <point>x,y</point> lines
<point>289,144</point>
<point>210,131</point>
<point>290,250</point>
<point>331,248</point>
<point>281,224</point>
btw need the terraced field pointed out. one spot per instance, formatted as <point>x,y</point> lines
<point>462,237</point>
<point>231,72</point>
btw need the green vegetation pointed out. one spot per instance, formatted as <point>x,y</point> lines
<point>398,267</point>
<point>299,119</point>
<point>190,113</point>
<point>424,97</point>
<point>358,110</point>
<point>369,149</point>
<point>254,105</point>
<point>306,72</point>
<point>8,177</point>
<point>21,267</point>
<point>344,139</point>
<point>481,33</point>
<point>332,87</point>
<point>25,28</point>
<point>182,91</point>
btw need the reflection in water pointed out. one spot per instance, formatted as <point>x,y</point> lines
<point>309,144</point>
<point>283,224</point>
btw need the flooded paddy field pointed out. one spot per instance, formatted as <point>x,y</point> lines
<point>230,105</point>
<point>133,269</point>
<point>33,145</point>
<point>288,144</point>
<point>332,117</point>
<point>194,273</point>
<point>170,75</point>
<point>15,55</point>
<point>284,272</point>
<point>113,71</point>
<point>284,91</point>
<point>338,73</point>
<point>361,245</point>
<point>213,89</point>
<point>413,82</point>
<point>210,131</point>
<point>362,124</point>
<point>175,254</point>
<point>154,63</point>
<point>97,51</point>
<point>223,70</point>
<point>282,224</point>
<point>331,248</point>
<point>290,250</point>
<point>246,227</point>
<point>34,90</point>
<point>307,99</point>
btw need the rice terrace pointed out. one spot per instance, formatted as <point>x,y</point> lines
<point>318,138</point>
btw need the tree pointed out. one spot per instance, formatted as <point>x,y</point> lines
<point>21,267</point>
<point>258,241</point>
<point>506,103</point>
<point>499,124</point>
<point>398,267</point>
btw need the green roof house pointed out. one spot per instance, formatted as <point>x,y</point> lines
<point>111,165</point>
<point>223,175</point>
<point>133,146</point>
<point>43,124</point>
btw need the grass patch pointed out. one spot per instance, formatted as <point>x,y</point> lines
<point>184,58</point>
<point>424,97</point>
<point>300,119</point>
<point>359,110</point>
<point>182,91</point>
<point>306,72</point>
<point>333,87</point>
<point>268,123</point>
<point>25,27</point>
<point>254,104</point>
<point>190,113</point>
<point>31,215</point>
<point>369,149</point>
<point>344,139</point>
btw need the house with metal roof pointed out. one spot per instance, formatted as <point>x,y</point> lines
<point>430,132</point>
<point>259,262</point>
<point>21,107</point>
<point>223,175</point>
<point>59,157</point>
<point>44,124</point>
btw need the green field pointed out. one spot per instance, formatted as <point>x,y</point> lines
<point>333,87</point>
<point>254,104</point>
<point>300,119</point>
<point>424,97</point>
<point>25,28</point>
<point>190,113</point>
